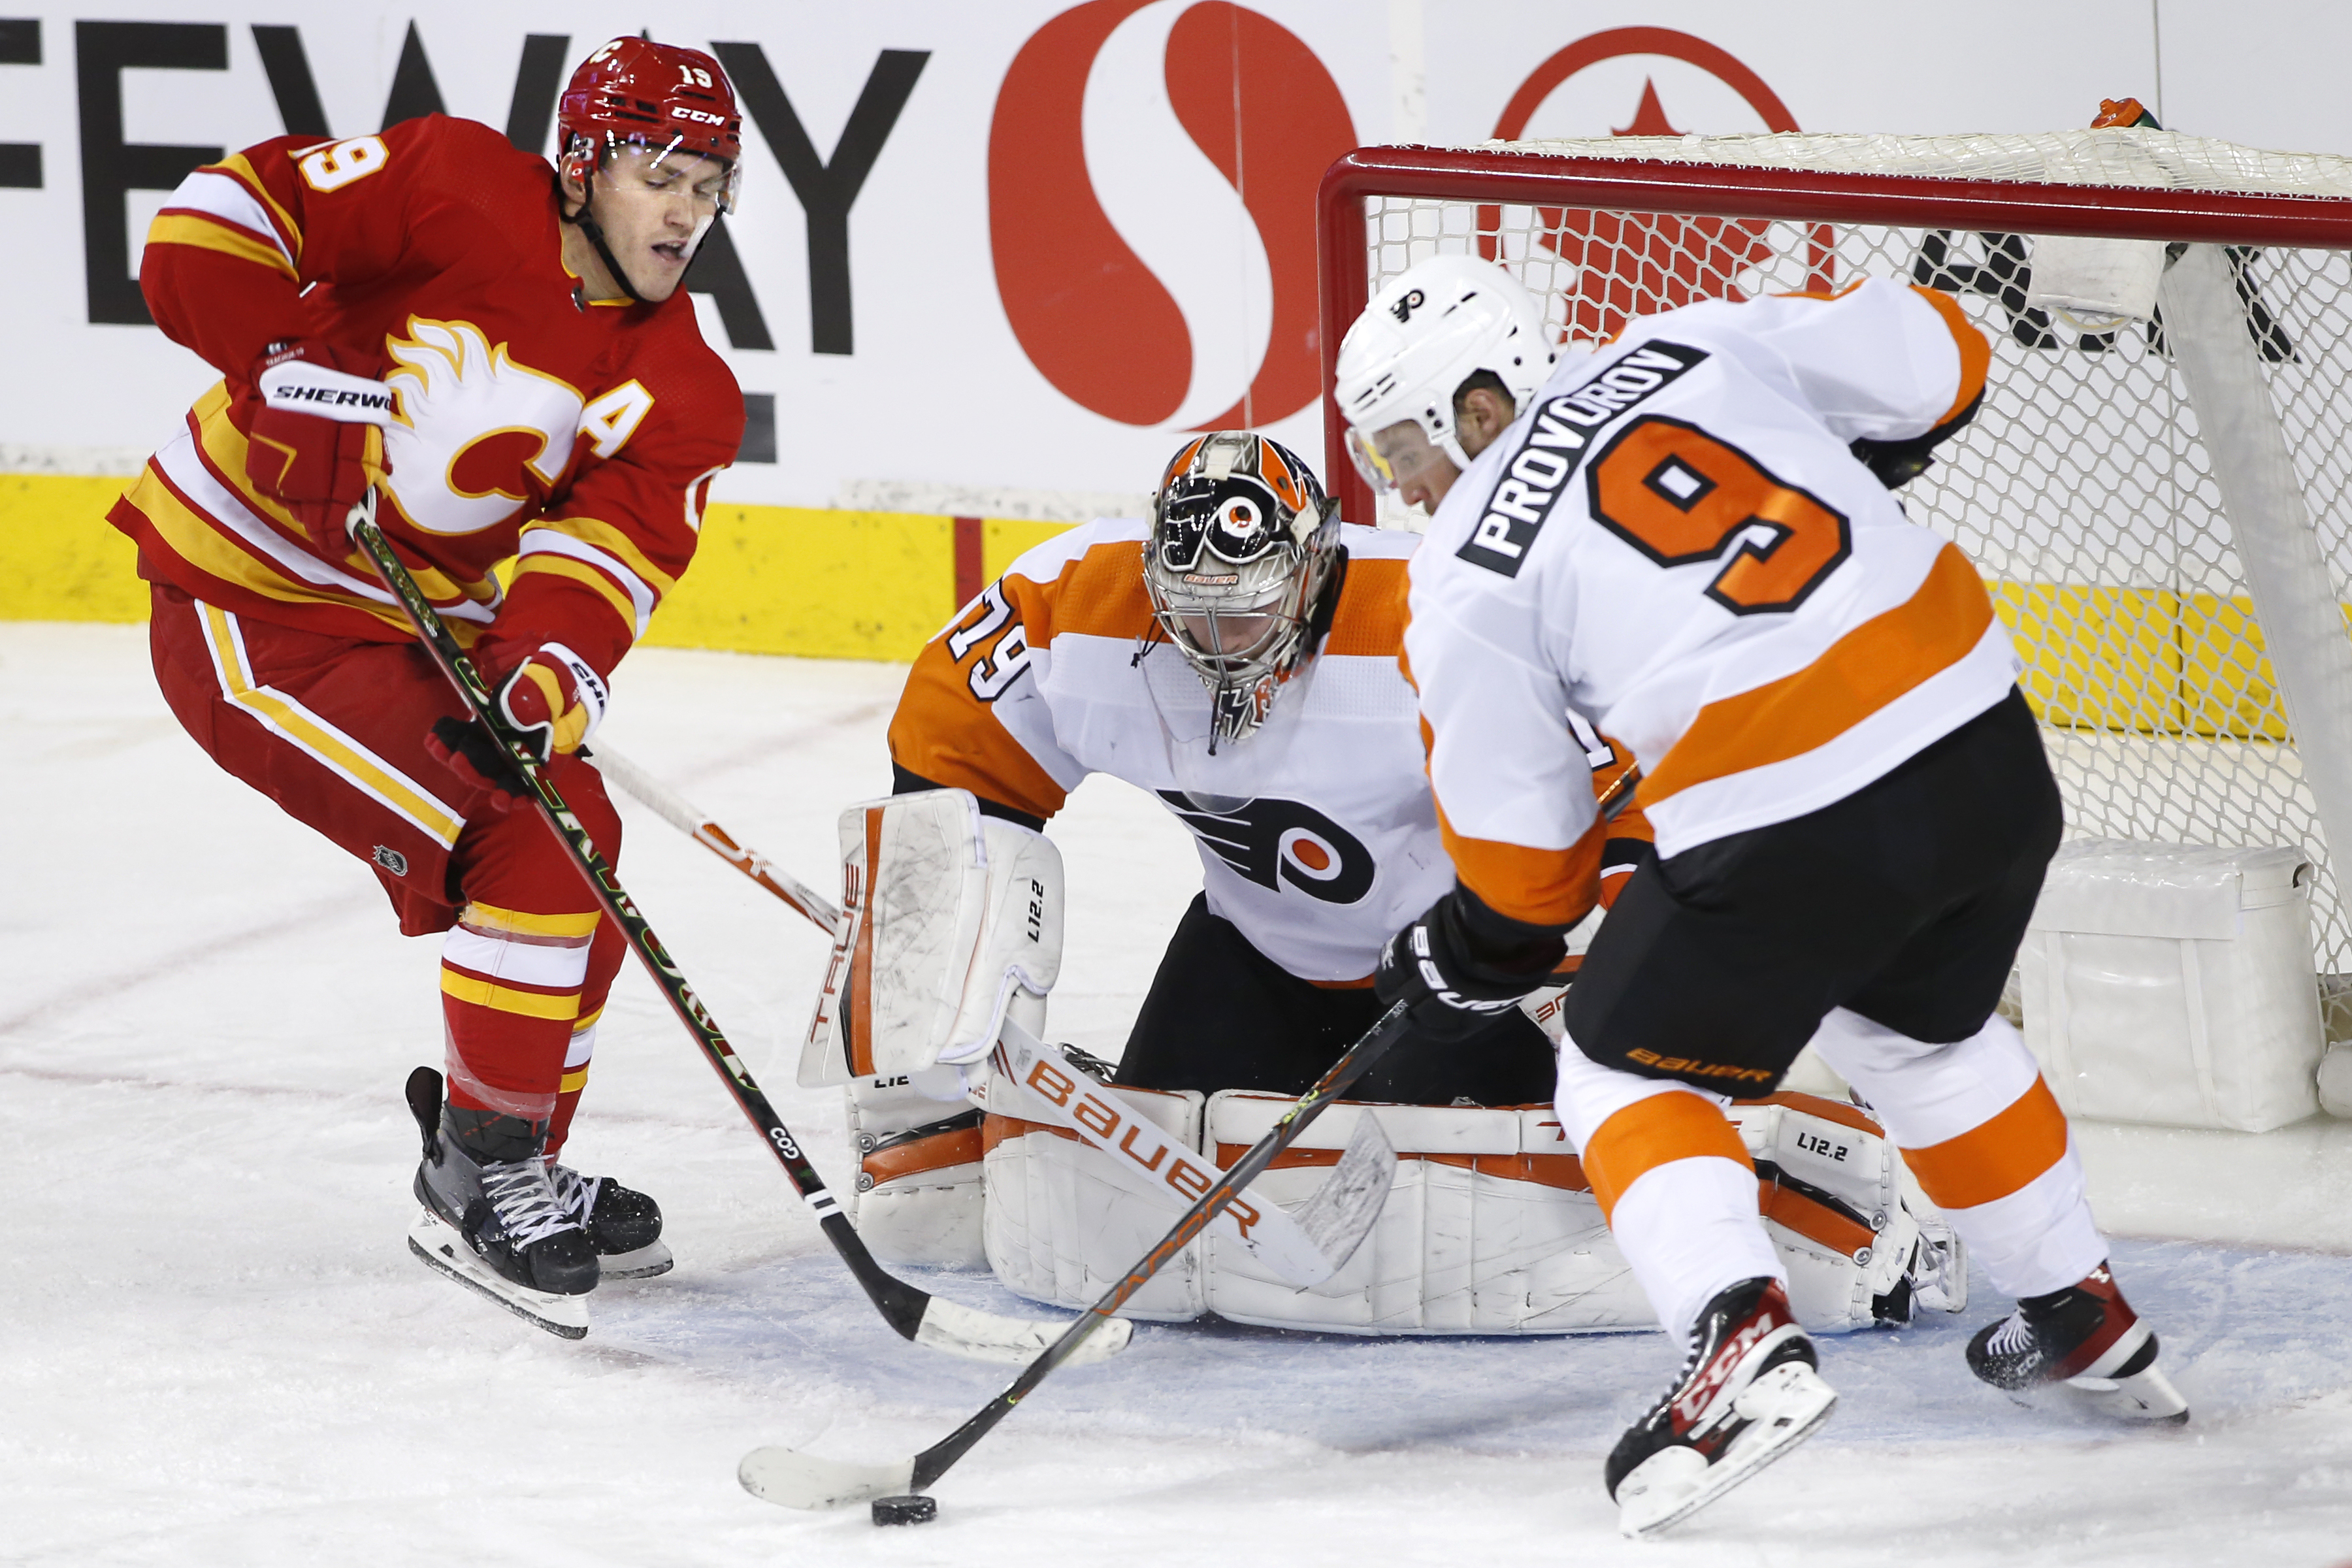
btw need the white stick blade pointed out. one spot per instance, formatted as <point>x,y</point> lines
<point>975,1335</point>
<point>790,1479</point>
<point>1347,1204</point>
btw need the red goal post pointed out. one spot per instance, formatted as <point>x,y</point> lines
<point>1495,175</point>
<point>2160,503</point>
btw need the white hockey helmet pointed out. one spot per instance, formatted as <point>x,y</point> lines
<point>1436,324</point>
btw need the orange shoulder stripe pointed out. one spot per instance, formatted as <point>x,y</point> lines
<point>1370,621</point>
<point>1857,674</point>
<point>1100,594</point>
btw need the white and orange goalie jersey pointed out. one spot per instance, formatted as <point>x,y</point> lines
<point>1676,542</point>
<point>1317,837</point>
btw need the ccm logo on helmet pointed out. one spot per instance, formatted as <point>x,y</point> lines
<point>700,117</point>
<point>1556,443</point>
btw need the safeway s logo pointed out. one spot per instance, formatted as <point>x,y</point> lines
<point>1629,265</point>
<point>1275,842</point>
<point>1095,319</point>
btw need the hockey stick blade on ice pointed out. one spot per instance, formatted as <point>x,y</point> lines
<point>795,1480</point>
<point>915,1314</point>
<point>690,819</point>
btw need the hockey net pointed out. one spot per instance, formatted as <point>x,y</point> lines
<point>2087,490</point>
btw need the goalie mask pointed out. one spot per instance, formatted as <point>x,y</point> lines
<point>1241,550</point>
<point>1434,326</point>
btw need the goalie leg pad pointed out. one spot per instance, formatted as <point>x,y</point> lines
<point>916,1198</point>
<point>1829,1193</point>
<point>1490,1227</point>
<point>1063,1223</point>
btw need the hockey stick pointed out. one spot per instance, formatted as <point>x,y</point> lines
<point>915,1314</point>
<point>1304,1247</point>
<point>797,1479</point>
<point>690,820</point>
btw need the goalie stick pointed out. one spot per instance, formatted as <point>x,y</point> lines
<point>915,1314</point>
<point>796,1480</point>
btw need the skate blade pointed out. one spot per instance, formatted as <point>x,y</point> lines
<point>646,1261</point>
<point>2144,1397</point>
<point>1785,1406</point>
<point>446,1252</point>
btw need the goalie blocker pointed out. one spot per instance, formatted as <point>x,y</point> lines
<point>951,922</point>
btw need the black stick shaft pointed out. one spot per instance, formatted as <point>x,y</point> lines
<point>936,1460</point>
<point>899,1302</point>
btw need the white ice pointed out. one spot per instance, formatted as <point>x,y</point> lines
<point>215,1348</point>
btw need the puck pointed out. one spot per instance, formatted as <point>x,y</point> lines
<point>911,1509</point>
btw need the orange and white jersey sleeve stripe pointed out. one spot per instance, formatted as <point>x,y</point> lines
<point>1675,542</point>
<point>974,714</point>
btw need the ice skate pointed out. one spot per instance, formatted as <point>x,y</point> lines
<point>623,1225</point>
<point>2087,1337</point>
<point>491,1217</point>
<point>1747,1394</point>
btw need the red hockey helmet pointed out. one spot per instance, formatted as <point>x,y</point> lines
<point>635,92</point>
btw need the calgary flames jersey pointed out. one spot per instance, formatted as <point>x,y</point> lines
<point>580,434</point>
<point>1317,836</point>
<point>1675,541</point>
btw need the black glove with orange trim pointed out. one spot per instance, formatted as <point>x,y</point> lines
<point>1461,966</point>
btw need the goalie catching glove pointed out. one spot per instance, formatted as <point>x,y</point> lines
<point>317,443</point>
<point>1461,966</point>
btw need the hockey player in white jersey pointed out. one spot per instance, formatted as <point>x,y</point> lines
<point>1237,657</point>
<point>1689,538</point>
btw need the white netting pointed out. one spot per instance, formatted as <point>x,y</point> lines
<point>2158,159</point>
<point>2081,490</point>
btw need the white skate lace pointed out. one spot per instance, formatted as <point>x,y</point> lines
<point>526,1202</point>
<point>574,1193</point>
<point>2012,1338</point>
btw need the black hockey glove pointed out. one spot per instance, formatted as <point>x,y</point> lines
<point>471,753</point>
<point>1461,966</point>
<point>1897,463</point>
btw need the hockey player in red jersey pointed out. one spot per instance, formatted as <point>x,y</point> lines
<point>505,355</point>
<point>1689,538</point>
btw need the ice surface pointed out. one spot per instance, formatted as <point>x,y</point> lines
<point>215,1348</point>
